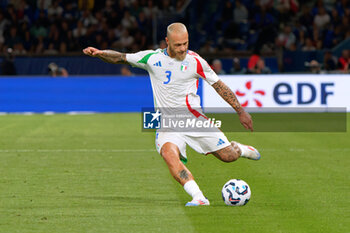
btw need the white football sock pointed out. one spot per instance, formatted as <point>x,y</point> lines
<point>192,189</point>
<point>243,148</point>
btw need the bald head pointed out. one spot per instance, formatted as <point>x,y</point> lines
<point>177,28</point>
<point>177,41</point>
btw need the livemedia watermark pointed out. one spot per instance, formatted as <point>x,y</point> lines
<point>179,120</point>
<point>225,119</point>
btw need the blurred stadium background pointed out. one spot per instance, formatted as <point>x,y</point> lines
<point>289,35</point>
<point>40,38</point>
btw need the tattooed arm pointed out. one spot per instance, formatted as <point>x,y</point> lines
<point>109,56</point>
<point>227,94</point>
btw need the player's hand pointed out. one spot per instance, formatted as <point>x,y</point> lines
<point>246,120</point>
<point>93,52</point>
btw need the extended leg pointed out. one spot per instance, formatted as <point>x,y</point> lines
<point>171,155</point>
<point>235,150</point>
<point>228,154</point>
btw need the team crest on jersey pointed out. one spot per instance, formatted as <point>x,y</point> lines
<point>184,66</point>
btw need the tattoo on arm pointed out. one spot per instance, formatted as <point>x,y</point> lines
<point>113,57</point>
<point>184,174</point>
<point>227,94</point>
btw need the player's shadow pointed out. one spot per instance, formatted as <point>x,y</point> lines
<point>128,200</point>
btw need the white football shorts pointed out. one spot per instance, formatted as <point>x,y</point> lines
<point>202,142</point>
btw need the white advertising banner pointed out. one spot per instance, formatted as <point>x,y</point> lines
<point>283,91</point>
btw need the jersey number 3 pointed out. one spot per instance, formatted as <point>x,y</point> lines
<point>168,75</point>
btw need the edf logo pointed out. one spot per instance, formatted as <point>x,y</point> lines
<point>283,92</point>
<point>151,120</point>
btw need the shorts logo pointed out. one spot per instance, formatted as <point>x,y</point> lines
<point>151,120</point>
<point>220,142</point>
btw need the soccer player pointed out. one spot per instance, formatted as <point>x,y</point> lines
<point>174,73</point>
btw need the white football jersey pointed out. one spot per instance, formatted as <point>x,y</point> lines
<point>174,82</point>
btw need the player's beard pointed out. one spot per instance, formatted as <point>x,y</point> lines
<point>178,55</point>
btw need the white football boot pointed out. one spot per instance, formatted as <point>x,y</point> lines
<point>198,202</point>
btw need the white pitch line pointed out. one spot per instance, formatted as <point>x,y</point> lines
<point>49,113</point>
<point>74,150</point>
<point>150,150</point>
<point>303,149</point>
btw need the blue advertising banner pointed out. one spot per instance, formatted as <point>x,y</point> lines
<point>79,93</point>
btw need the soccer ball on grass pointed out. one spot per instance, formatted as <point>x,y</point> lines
<point>236,192</point>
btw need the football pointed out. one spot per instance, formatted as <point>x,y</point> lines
<point>236,192</point>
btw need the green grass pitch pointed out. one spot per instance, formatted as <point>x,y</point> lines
<point>100,173</point>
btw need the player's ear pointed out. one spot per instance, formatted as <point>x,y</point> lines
<point>167,40</point>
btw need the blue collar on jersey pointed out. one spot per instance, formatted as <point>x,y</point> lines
<point>166,52</point>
